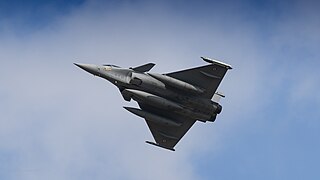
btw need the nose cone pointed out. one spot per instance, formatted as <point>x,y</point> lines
<point>90,68</point>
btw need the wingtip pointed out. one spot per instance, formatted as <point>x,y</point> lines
<point>213,61</point>
<point>155,144</point>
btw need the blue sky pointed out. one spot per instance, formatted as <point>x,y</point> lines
<point>58,122</point>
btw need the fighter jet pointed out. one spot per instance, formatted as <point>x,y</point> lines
<point>170,103</point>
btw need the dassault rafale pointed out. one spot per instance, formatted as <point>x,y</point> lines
<point>170,103</point>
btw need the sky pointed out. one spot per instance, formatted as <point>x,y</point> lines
<point>59,122</point>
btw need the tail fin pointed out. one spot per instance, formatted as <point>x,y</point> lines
<point>217,96</point>
<point>143,68</point>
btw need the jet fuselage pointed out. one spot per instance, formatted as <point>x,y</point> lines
<point>158,90</point>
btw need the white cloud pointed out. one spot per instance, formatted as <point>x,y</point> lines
<point>61,123</point>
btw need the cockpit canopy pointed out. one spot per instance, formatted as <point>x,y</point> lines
<point>111,65</point>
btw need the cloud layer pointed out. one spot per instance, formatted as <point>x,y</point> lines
<point>58,122</point>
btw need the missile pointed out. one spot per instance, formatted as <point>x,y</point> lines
<point>152,117</point>
<point>151,99</point>
<point>177,83</point>
<point>214,61</point>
